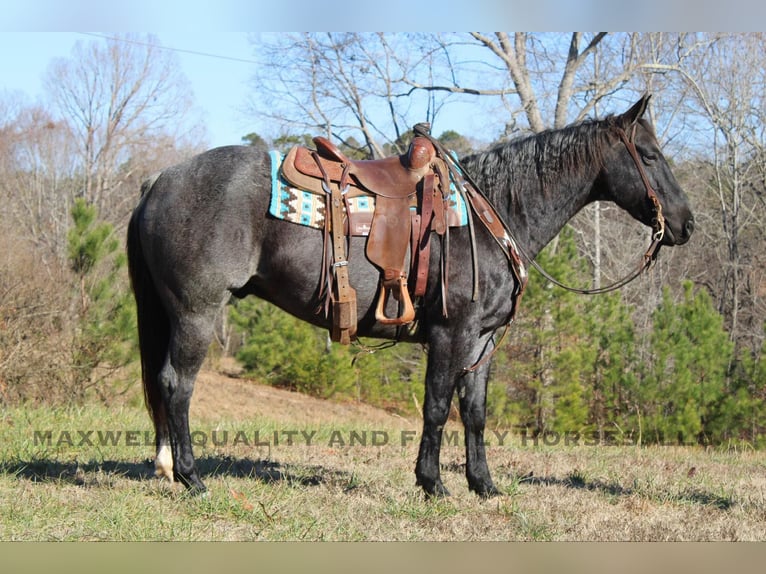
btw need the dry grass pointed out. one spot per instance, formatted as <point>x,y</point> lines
<point>332,491</point>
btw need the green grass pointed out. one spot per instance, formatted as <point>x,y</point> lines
<point>72,490</point>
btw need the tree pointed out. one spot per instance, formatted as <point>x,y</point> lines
<point>104,332</point>
<point>614,372</point>
<point>286,352</point>
<point>456,142</point>
<point>687,383</point>
<point>286,141</point>
<point>124,99</point>
<point>727,83</point>
<point>38,178</point>
<point>70,171</point>
<point>373,87</point>
<point>744,411</point>
<point>548,356</point>
<point>33,304</point>
<point>253,139</point>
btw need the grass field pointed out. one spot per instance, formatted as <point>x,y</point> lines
<point>282,466</point>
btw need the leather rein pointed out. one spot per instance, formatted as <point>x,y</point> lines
<point>658,231</point>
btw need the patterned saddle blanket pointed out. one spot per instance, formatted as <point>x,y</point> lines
<point>308,208</point>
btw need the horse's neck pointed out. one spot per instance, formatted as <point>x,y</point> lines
<point>538,217</point>
<point>535,215</point>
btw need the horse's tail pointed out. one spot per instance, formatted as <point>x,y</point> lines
<point>153,322</point>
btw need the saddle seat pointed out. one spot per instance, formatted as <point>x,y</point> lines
<point>394,177</point>
<point>397,183</point>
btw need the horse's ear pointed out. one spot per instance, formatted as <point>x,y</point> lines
<point>636,111</point>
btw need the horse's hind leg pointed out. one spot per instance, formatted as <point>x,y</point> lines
<point>189,341</point>
<point>163,462</point>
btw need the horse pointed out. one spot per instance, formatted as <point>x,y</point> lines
<point>200,235</point>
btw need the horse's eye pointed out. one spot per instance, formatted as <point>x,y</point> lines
<point>649,158</point>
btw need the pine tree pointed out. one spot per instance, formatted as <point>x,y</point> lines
<point>613,377</point>
<point>285,352</point>
<point>103,340</point>
<point>545,368</point>
<point>741,414</point>
<point>687,383</point>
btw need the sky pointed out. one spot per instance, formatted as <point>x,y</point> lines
<point>219,66</point>
<point>216,63</point>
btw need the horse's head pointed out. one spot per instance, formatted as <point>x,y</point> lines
<point>637,177</point>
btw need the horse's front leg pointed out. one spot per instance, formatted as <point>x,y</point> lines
<point>472,394</point>
<point>440,386</point>
<point>450,352</point>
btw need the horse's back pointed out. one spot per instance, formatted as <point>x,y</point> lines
<point>222,178</point>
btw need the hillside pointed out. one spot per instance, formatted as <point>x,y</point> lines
<point>218,395</point>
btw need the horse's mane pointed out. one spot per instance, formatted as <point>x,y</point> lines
<point>535,162</point>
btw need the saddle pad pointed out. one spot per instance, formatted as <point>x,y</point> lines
<point>307,208</point>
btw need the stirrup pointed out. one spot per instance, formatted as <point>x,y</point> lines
<point>408,313</point>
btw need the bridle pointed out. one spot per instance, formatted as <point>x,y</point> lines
<point>658,232</point>
<point>658,229</point>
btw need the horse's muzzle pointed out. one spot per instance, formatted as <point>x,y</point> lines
<point>679,237</point>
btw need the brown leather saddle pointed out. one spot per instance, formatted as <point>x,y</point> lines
<point>410,193</point>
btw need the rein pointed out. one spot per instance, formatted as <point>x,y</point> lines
<point>658,227</point>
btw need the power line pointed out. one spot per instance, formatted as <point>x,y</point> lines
<point>169,49</point>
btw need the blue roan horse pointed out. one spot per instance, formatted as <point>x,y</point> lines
<point>201,233</point>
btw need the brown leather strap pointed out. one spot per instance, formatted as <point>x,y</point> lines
<point>659,222</point>
<point>444,268</point>
<point>325,279</point>
<point>416,219</point>
<point>422,253</point>
<point>343,295</point>
<point>441,206</point>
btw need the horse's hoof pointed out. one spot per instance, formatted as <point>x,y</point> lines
<point>489,493</point>
<point>194,486</point>
<point>485,491</point>
<point>196,492</point>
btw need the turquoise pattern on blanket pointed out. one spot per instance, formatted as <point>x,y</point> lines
<point>306,208</point>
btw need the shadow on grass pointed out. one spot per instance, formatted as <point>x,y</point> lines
<point>80,473</point>
<point>83,473</point>
<point>576,481</point>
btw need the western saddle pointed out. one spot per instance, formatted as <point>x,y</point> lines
<point>411,194</point>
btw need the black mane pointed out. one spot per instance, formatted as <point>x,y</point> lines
<point>535,162</point>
